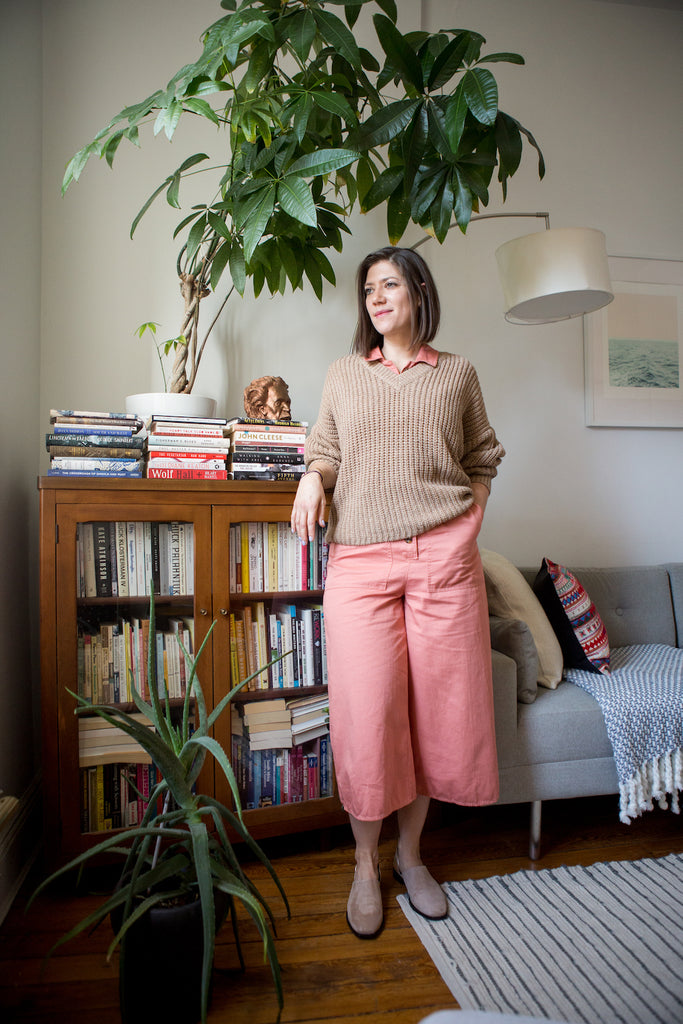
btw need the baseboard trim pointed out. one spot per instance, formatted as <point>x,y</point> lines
<point>20,843</point>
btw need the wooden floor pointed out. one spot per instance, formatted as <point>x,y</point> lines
<point>329,975</point>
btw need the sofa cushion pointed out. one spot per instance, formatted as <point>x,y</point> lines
<point>511,597</point>
<point>513,637</point>
<point>563,725</point>
<point>574,617</point>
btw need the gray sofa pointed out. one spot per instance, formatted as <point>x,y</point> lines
<point>556,746</point>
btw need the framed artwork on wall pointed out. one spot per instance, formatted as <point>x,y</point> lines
<point>633,348</point>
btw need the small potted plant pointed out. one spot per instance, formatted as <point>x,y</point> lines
<point>179,863</point>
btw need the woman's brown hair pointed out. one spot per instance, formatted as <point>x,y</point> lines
<point>421,288</point>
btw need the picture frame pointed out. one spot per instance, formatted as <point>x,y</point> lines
<point>633,347</point>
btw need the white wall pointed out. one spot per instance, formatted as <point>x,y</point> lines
<point>601,92</point>
<point>20,155</point>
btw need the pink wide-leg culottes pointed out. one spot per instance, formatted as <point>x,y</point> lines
<point>409,668</point>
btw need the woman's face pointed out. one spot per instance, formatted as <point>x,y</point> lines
<point>388,301</point>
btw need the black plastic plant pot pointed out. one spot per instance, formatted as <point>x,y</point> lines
<point>161,967</point>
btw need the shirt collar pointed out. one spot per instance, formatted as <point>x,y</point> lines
<point>426,354</point>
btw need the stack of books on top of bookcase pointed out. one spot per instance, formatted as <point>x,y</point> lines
<point>266,449</point>
<point>82,443</point>
<point>186,448</point>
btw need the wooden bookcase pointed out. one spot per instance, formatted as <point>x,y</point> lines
<point>211,507</point>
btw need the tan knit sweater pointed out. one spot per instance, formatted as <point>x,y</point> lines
<point>405,447</point>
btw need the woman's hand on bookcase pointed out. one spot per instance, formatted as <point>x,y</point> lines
<point>309,506</point>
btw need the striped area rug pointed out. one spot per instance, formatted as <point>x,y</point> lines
<point>587,945</point>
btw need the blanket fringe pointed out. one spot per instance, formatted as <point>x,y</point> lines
<point>654,780</point>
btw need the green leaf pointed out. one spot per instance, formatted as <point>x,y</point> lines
<point>322,161</point>
<point>463,202</point>
<point>387,123</point>
<point>295,198</point>
<point>219,225</point>
<point>481,93</point>
<point>201,107</point>
<point>425,189</point>
<point>334,31</point>
<point>326,268</point>
<point>167,118</point>
<point>111,147</point>
<point>194,239</point>
<point>398,216</point>
<point>509,144</point>
<point>437,131</point>
<point>389,8</point>
<point>312,272</point>
<point>414,145</point>
<point>302,34</point>
<point>334,103</point>
<point>442,211</point>
<point>387,183</point>
<point>448,62</point>
<point>218,264</point>
<point>76,165</point>
<point>364,178</point>
<point>400,54</point>
<point>508,58</point>
<point>256,225</point>
<point>532,140</point>
<point>288,259</point>
<point>237,268</point>
<point>456,113</point>
<point>262,59</point>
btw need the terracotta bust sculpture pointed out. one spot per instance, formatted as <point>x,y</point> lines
<point>267,398</point>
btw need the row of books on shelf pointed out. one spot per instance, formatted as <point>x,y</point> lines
<point>123,559</point>
<point>268,557</point>
<point>109,654</point>
<point>259,633</point>
<point>115,795</point>
<point>84,443</point>
<point>269,778</point>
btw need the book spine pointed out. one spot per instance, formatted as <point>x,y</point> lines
<point>186,474</point>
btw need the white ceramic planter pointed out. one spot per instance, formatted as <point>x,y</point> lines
<point>167,404</point>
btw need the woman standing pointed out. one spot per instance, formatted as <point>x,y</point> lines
<point>403,441</point>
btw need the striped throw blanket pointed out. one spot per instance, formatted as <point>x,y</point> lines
<point>642,702</point>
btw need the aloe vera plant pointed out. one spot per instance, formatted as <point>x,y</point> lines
<point>183,850</point>
<point>310,126</point>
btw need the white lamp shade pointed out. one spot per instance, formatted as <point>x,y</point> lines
<point>554,275</point>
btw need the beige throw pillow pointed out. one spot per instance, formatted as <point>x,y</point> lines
<point>510,597</point>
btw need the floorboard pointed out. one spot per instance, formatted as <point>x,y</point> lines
<point>329,976</point>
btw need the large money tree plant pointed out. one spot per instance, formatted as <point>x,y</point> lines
<point>313,125</point>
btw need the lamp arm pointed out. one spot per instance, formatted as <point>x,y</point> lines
<point>490,216</point>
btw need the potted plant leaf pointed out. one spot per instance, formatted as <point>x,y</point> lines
<point>310,126</point>
<point>180,860</point>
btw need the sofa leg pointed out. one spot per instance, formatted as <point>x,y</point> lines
<point>535,830</point>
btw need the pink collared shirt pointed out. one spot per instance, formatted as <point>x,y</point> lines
<point>427,354</point>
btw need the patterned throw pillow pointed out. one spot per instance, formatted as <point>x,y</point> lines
<point>574,617</point>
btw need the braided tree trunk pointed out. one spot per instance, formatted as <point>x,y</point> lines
<point>187,356</point>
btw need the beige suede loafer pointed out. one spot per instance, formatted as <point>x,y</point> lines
<point>364,912</point>
<point>425,895</point>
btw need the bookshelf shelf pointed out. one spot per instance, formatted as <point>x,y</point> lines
<point>211,508</point>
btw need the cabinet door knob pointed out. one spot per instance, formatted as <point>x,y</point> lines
<point>203,611</point>
<point>224,611</point>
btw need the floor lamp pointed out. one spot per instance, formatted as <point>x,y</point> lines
<point>551,275</point>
